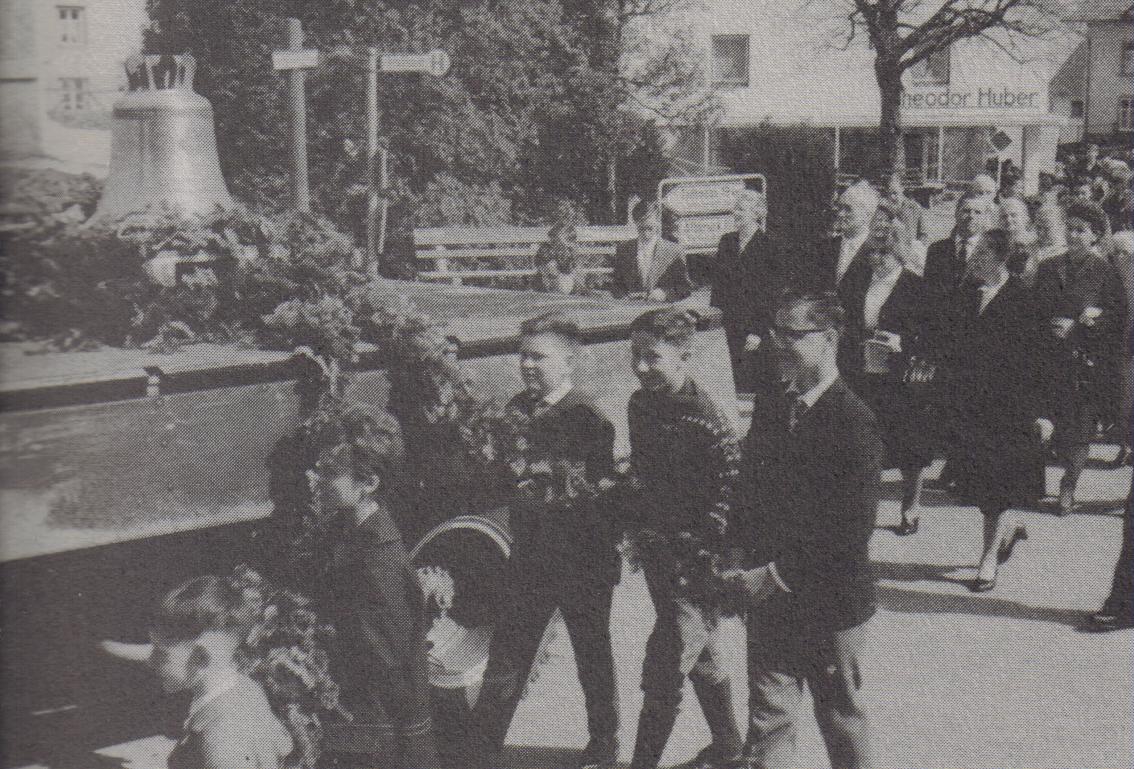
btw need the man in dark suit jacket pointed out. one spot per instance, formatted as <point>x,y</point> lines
<point>563,556</point>
<point>948,258</point>
<point>650,267</point>
<point>824,265</point>
<point>747,276</point>
<point>810,482</point>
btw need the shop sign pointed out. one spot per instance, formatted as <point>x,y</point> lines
<point>991,97</point>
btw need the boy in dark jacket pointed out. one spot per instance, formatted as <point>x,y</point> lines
<point>563,556</point>
<point>372,596</point>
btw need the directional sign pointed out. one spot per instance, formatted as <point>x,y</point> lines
<point>709,198</point>
<point>304,58</point>
<point>434,63</point>
<point>702,206</point>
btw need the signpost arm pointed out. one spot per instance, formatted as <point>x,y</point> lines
<point>372,247</point>
<point>297,109</point>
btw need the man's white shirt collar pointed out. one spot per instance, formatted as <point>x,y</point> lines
<point>812,396</point>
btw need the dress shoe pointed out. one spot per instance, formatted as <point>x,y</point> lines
<point>1105,622</point>
<point>600,753</point>
<point>1005,551</point>
<point>906,527</point>
<point>1066,502</point>
<point>981,585</point>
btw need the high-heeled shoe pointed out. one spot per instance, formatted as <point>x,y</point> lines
<point>981,585</point>
<point>907,527</point>
<point>1005,551</point>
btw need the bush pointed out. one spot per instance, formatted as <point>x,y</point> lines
<point>799,164</point>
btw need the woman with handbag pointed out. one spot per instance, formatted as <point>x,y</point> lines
<point>1082,299</point>
<point>881,352</point>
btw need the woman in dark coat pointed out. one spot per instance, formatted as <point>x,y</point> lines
<point>987,352</point>
<point>1084,305</point>
<point>886,316</point>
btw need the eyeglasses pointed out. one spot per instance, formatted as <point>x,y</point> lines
<point>794,334</point>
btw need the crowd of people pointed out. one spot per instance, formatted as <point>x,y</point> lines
<point>869,349</point>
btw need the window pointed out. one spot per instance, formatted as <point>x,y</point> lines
<point>1077,108</point>
<point>74,94</point>
<point>1126,63</point>
<point>933,69</point>
<point>1126,114</point>
<point>72,24</point>
<point>730,60</point>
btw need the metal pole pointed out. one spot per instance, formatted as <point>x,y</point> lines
<point>383,183</point>
<point>297,109</point>
<point>372,246</point>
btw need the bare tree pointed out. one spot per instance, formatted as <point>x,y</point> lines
<point>903,33</point>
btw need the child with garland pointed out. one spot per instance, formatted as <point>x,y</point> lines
<point>206,638</point>
<point>371,593</point>
<point>564,555</point>
<point>683,464</point>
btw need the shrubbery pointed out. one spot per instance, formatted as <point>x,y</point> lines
<point>79,285</point>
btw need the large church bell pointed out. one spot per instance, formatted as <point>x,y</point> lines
<point>164,149</point>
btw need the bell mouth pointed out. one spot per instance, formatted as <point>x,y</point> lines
<point>468,556</point>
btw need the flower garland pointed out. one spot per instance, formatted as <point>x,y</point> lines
<point>285,652</point>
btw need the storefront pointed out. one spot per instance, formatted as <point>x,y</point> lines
<point>964,106</point>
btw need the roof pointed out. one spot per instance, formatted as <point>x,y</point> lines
<point>1103,10</point>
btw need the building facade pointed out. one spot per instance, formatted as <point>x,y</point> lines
<point>1095,86</point>
<point>791,64</point>
<point>60,73</point>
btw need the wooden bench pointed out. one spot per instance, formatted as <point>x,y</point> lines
<point>505,256</point>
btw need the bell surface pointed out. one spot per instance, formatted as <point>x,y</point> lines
<point>163,149</point>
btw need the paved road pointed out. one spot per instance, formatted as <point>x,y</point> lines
<point>956,680</point>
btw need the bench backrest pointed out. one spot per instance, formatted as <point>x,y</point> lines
<point>507,254</point>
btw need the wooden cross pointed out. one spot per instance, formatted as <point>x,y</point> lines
<point>295,60</point>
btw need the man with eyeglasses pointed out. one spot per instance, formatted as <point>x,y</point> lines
<point>809,486</point>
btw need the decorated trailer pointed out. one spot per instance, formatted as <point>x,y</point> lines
<point>123,473</point>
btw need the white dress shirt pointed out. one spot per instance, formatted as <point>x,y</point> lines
<point>646,260</point>
<point>881,286</point>
<point>848,249</point>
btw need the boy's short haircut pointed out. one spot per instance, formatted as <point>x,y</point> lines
<point>557,323</point>
<point>824,309</point>
<point>673,325</point>
<point>643,209</point>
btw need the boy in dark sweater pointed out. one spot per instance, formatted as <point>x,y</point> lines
<point>684,461</point>
<point>563,556</point>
